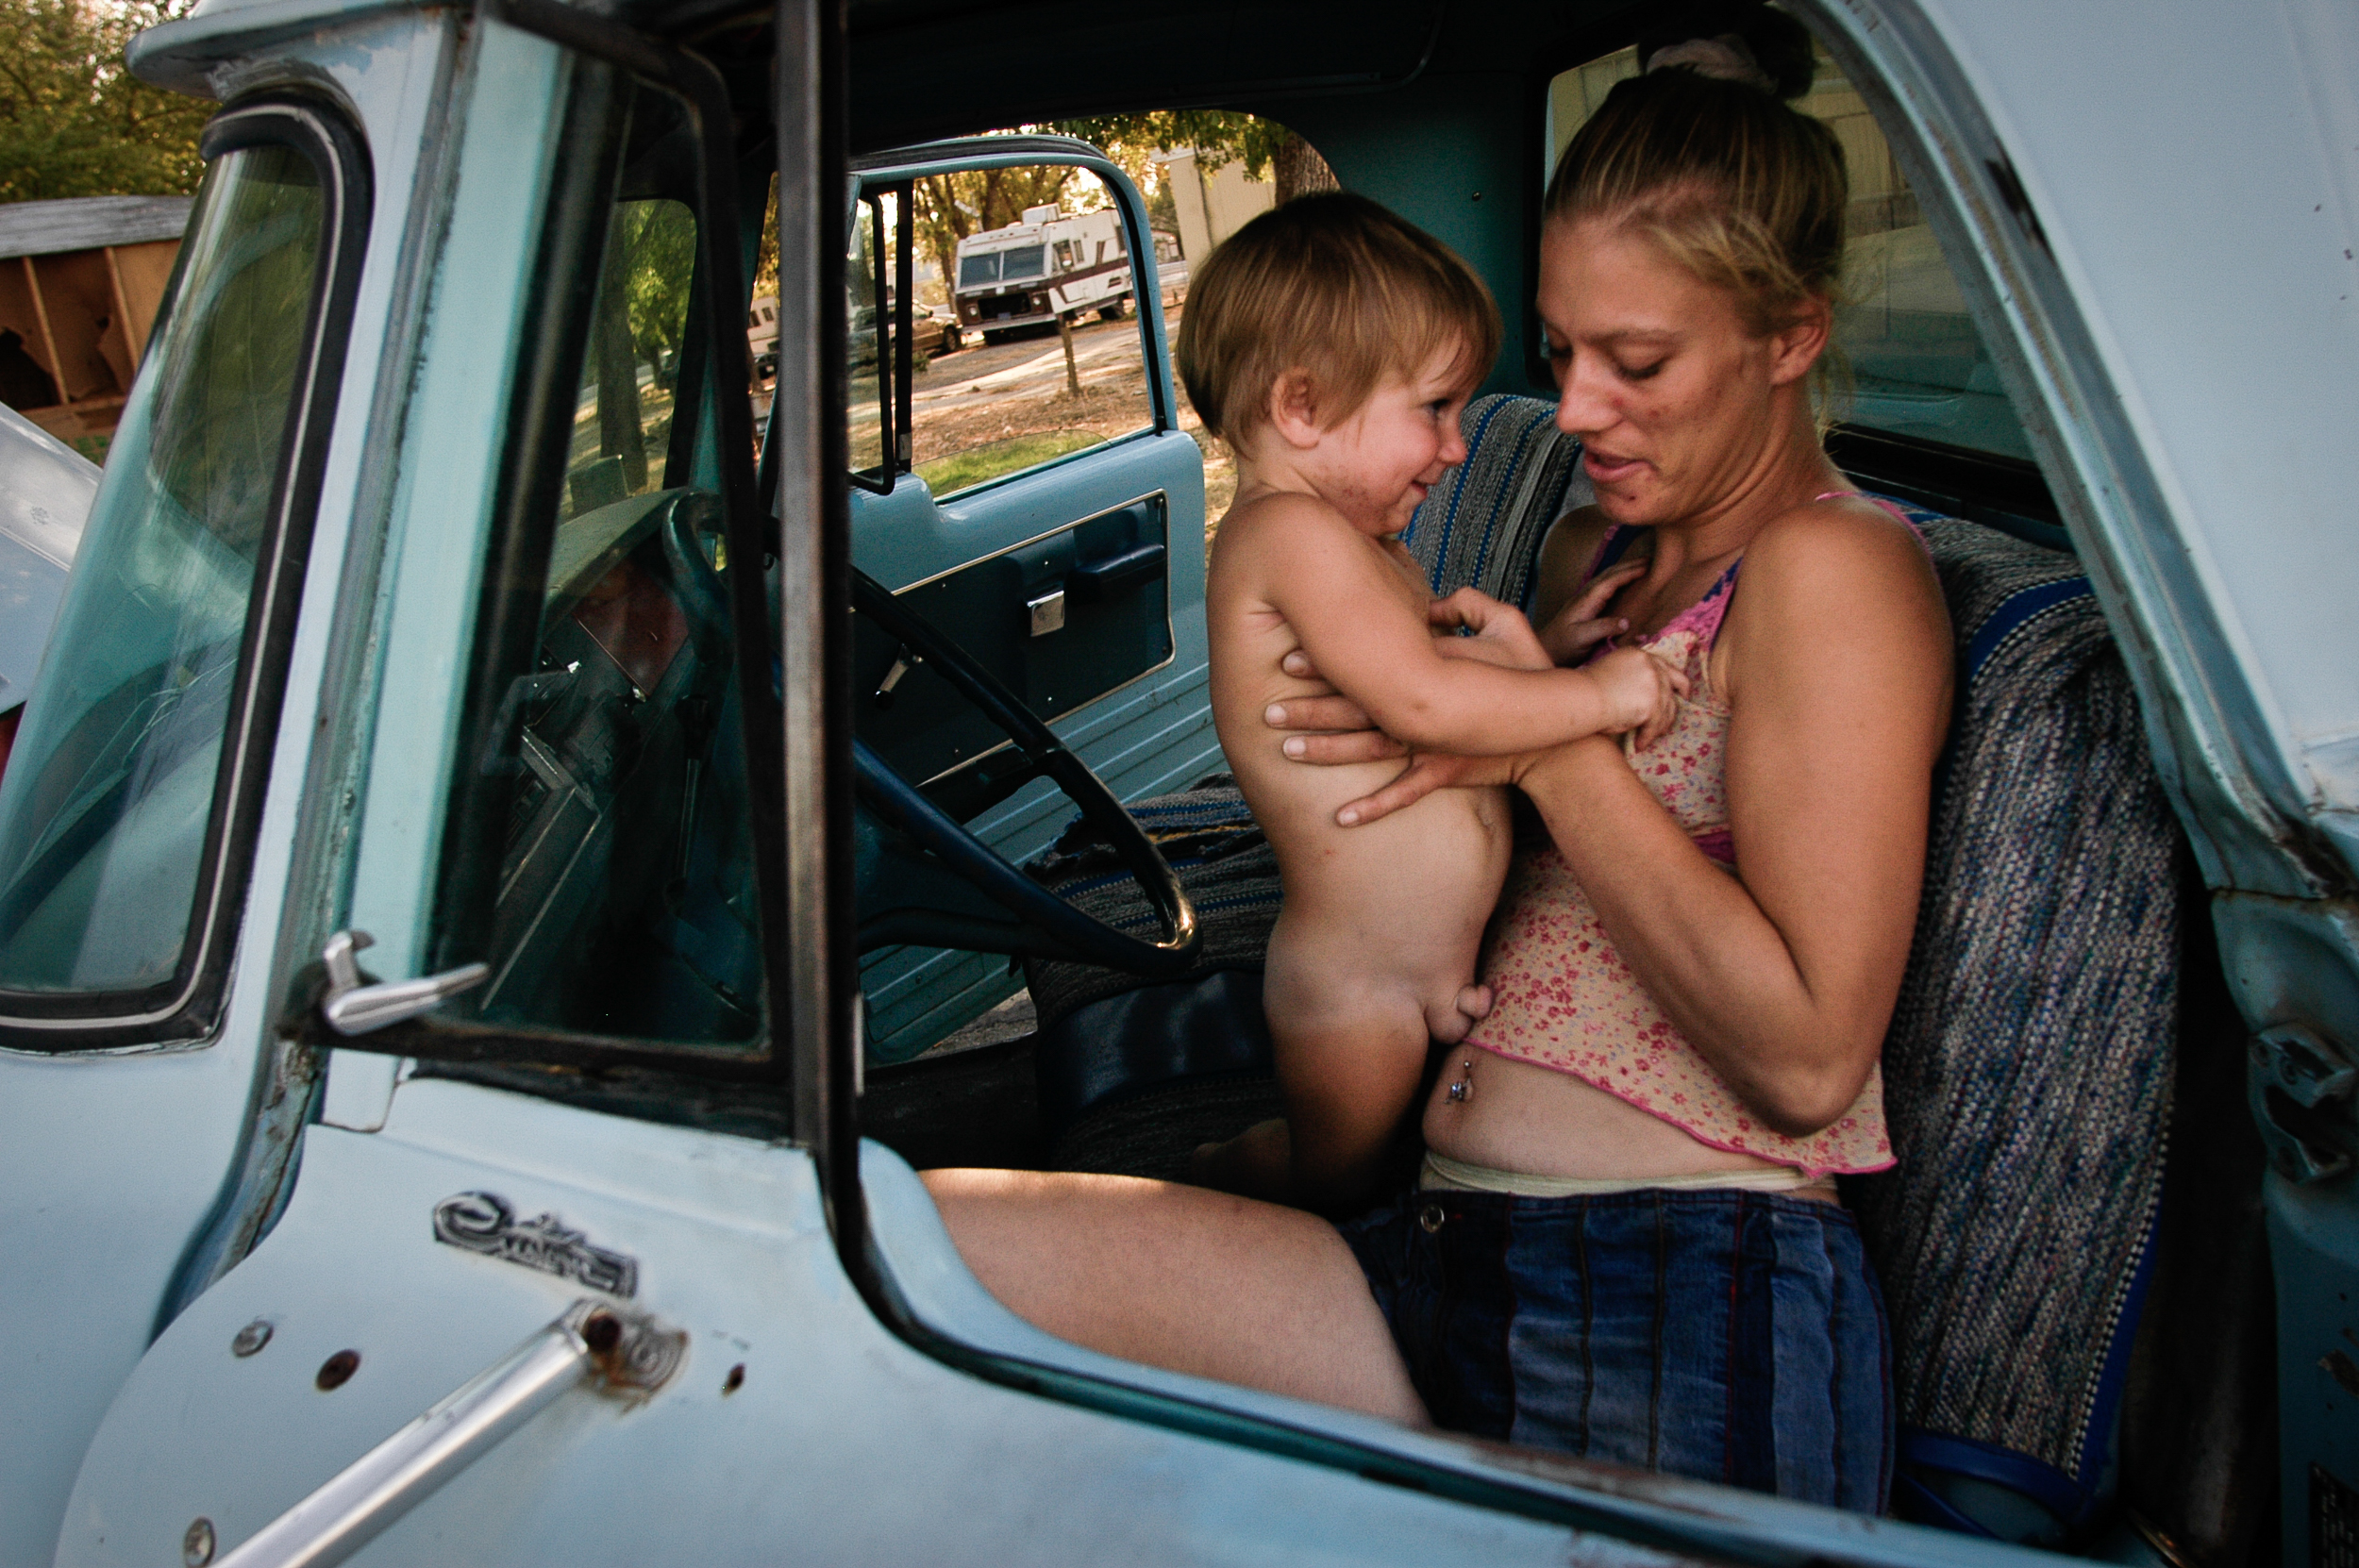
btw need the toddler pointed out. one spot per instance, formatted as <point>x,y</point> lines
<point>1334,347</point>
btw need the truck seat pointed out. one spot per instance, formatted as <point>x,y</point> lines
<point>2028,1070</point>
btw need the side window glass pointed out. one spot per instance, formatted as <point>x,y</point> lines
<point>1917,367</point>
<point>622,433</point>
<point>865,313</point>
<point>1026,336</point>
<point>608,794</point>
<point>142,748</point>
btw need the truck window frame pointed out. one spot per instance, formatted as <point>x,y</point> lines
<point>190,1006</point>
<point>714,367</point>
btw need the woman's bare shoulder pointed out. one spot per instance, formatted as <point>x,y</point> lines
<point>1840,545</point>
<point>1841,572</point>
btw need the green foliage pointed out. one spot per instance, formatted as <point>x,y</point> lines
<point>1217,135</point>
<point>657,239</point>
<point>72,121</point>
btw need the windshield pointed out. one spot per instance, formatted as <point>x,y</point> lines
<point>109,797</point>
<point>1025,262</point>
<point>976,271</point>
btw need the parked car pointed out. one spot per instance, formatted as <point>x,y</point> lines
<point>485,883</point>
<point>45,489</point>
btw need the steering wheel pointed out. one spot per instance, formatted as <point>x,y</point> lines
<point>1017,914</point>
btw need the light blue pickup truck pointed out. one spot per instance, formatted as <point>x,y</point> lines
<point>506,856</point>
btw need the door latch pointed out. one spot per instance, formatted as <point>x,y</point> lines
<point>354,1008</point>
<point>1047,613</point>
<point>2302,1090</point>
<point>904,659</point>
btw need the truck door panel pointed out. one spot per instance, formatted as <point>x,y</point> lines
<point>1075,575</point>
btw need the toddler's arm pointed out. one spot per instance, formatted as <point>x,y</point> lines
<point>1343,600</point>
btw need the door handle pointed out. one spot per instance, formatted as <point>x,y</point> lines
<point>1108,574</point>
<point>631,1354</point>
<point>908,658</point>
<point>352,1007</point>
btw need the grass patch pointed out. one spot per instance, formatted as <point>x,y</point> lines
<point>964,470</point>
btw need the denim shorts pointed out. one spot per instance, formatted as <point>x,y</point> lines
<point>1724,1335</point>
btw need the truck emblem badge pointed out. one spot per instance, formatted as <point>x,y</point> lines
<point>486,1222</point>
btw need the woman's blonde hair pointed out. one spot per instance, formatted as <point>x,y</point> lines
<point>1743,191</point>
<point>1335,286</point>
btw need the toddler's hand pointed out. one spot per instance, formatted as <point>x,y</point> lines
<point>1583,624</point>
<point>1499,634</point>
<point>1642,692</point>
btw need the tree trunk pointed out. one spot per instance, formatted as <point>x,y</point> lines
<point>1072,371</point>
<point>1300,170</point>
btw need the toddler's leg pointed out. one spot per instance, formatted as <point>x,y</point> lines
<point>1350,1046</point>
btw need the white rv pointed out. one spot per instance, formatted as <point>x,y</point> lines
<point>761,336</point>
<point>1049,264</point>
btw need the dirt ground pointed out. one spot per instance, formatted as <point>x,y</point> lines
<point>991,393</point>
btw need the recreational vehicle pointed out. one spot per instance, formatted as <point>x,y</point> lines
<point>1049,264</point>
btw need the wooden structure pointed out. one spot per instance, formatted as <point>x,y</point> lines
<point>80,281</point>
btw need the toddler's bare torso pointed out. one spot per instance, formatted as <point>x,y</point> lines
<point>1373,914</point>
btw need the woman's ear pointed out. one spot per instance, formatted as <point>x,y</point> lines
<point>1796,347</point>
<point>1293,410</point>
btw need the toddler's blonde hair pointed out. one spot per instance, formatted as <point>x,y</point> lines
<point>1334,286</point>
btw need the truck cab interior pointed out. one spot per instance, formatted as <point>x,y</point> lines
<point>1001,779</point>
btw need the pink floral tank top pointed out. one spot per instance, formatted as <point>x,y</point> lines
<point>1565,999</point>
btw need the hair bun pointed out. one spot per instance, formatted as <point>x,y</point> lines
<point>1733,40</point>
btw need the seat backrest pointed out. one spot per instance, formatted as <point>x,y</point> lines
<point>1482,525</point>
<point>2028,1071</point>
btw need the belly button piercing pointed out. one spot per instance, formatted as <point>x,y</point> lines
<point>1458,1092</point>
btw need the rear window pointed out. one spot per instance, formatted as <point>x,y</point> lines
<point>1917,367</point>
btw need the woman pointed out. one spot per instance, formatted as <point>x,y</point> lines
<point>1627,1243</point>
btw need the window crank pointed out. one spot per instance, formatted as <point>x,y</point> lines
<point>352,1007</point>
<point>904,660</point>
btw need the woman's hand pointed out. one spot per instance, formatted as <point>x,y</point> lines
<point>1345,734</point>
<point>1583,624</point>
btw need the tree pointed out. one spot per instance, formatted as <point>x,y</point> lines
<point>949,207</point>
<point>72,121</point>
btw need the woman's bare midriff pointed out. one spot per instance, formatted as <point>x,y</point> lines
<point>1518,1116</point>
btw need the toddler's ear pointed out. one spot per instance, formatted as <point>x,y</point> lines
<point>1294,409</point>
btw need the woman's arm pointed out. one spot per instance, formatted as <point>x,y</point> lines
<point>1783,977</point>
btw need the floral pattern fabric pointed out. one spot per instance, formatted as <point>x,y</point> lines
<point>1565,999</point>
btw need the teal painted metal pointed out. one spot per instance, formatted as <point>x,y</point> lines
<point>2210,499</point>
<point>159,1151</point>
